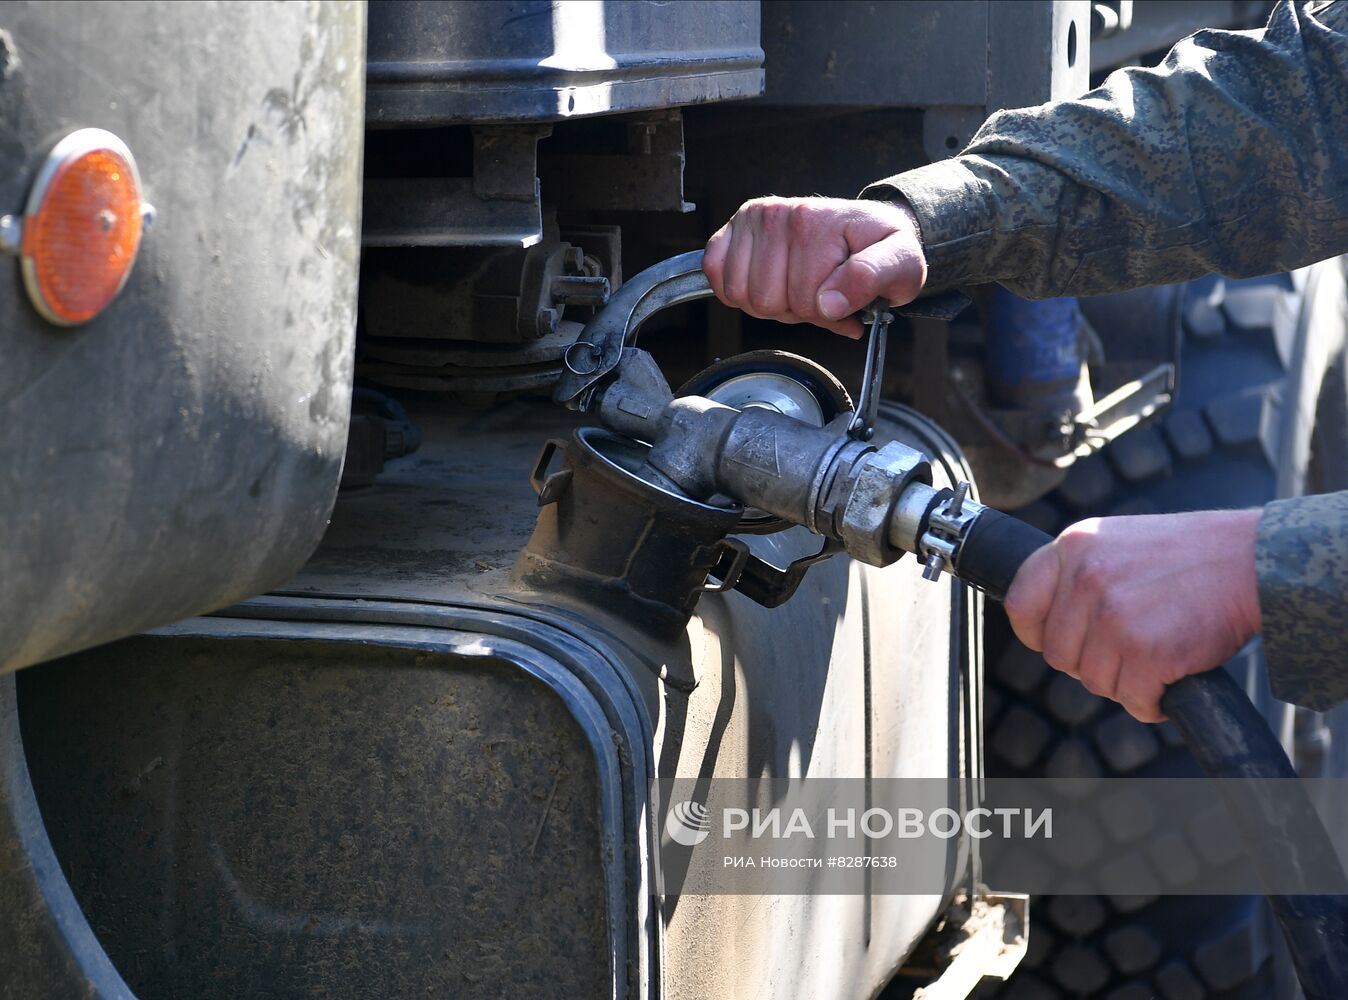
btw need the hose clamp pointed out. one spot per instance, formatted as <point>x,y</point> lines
<point>947,525</point>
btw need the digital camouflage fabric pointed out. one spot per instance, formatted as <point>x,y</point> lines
<point>1302,563</point>
<point>1231,156</point>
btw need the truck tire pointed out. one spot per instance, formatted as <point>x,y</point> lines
<point>1260,413</point>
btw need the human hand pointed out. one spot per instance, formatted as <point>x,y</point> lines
<point>1128,605</point>
<point>816,260</point>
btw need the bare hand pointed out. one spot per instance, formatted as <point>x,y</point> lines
<point>816,260</point>
<point>1128,605</point>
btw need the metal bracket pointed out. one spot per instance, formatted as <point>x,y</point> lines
<point>647,177</point>
<point>499,205</point>
<point>947,129</point>
<point>549,487</point>
<point>1123,409</point>
<point>771,587</point>
<point>726,579</point>
<point>985,938</point>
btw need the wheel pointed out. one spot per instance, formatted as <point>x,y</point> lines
<point>1261,412</point>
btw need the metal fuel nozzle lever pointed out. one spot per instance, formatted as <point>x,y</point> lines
<point>599,348</point>
<point>878,317</point>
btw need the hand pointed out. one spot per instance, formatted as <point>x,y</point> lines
<point>816,260</point>
<point>1128,605</point>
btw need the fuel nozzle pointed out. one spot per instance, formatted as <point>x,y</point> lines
<point>875,503</point>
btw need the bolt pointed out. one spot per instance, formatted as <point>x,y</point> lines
<point>931,570</point>
<point>547,321</point>
<point>106,220</point>
<point>147,215</point>
<point>957,501</point>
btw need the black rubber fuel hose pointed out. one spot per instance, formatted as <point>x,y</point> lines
<point>994,550</point>
<point>1230,740</point>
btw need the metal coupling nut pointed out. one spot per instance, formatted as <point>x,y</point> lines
<point>876,487</point>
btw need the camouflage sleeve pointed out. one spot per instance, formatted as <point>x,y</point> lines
<point>1231,156</point>
<point>1301,560</point>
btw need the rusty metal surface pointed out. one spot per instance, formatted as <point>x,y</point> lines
<point>182,450</point>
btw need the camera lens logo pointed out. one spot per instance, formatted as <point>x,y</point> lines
<point>688,823</point>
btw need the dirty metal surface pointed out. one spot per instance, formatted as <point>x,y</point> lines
<point>330,812</point>
<point>609,537</point>
<point>498,206</point>
<point>647,177</point>
<point>287,746</point>
<point>864,672</point>
<point>436,62</point>
<point>958,60</point>
<point>182,450</point>
<point>446,522</point>
<point>46,945</point>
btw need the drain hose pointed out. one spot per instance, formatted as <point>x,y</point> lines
<point>1230,740</point>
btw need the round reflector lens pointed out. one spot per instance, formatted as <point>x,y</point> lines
<point>83,227</point>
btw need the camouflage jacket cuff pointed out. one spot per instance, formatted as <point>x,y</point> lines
<point>1301,559</point>
<point>956,214</point>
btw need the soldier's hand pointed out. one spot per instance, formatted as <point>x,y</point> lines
<point>1128,605</point>
<point>816,260</point>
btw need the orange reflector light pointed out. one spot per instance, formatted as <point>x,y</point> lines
<point>82,228</point>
